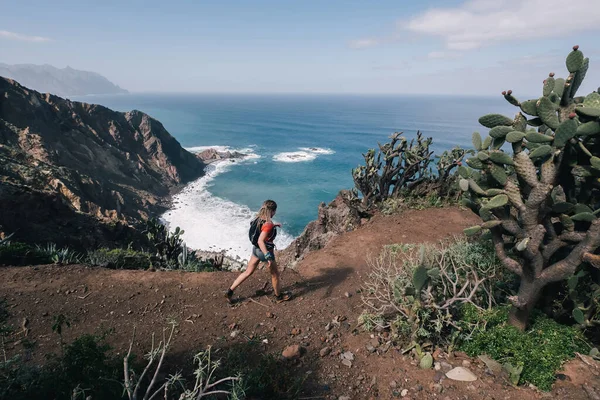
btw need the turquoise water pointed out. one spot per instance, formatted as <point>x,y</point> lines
<point>267,127</point>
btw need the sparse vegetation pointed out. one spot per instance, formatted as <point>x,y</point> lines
<point>119,259</point>
<point>400,172</point>
<point>60,256</point>
<point>15,253</point>
<point>418,292</point>
<point>531,357</point>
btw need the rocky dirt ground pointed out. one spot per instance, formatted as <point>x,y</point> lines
<point>338,359</point>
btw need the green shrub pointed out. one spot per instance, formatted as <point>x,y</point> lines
<point>119,259</point>
<point>86,365</point>
<point>418,292</point>
<point>16,253</point>
<point>264,375</point>
<point>540,351</point>
<point>59,256</point>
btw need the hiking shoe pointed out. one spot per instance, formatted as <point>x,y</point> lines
<point>283,297</point>
<point>229,296</point>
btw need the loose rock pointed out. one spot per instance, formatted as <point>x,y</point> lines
<point>461,374</point>
<point>325,351</point>
<point>292,352</point>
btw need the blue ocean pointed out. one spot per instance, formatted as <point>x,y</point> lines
<point>300,150</point>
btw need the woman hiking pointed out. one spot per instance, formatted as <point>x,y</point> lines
<point>262,233</point>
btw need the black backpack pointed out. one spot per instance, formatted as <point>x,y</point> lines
<point>255,229</point>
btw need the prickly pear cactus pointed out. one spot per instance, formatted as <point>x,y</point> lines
<point>540,201</point>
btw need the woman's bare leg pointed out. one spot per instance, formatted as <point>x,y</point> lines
<point>252,264</point>
<point>274,277</point>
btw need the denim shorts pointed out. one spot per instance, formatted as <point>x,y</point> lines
<point>260,255</point>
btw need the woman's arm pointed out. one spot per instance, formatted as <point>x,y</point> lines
<point>261,242</point>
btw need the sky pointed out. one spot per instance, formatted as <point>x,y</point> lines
<point>475,47</point>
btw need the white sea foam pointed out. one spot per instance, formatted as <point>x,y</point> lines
<point>212,223</point>
<point>305,154</point>
<point>317,150</point>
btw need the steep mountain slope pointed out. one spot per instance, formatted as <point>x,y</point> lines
<point>64,165</point>
<point>60,81</point>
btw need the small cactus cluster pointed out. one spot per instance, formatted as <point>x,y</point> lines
<point>540,203</point>
<point>401,166</point>
<point>398,164</point>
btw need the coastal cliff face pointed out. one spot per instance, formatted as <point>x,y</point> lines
<point>343,214</point>
<point>80,174</point>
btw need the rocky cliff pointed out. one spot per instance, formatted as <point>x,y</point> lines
<point>81,174</point>
<point>343,214</point>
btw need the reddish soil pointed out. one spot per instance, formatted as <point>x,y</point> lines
<point>325,289</point>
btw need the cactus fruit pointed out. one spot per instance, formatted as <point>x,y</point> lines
<point>544,196</point>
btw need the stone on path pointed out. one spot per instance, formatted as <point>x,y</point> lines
<point>461,374</point>
<point>292,352</point>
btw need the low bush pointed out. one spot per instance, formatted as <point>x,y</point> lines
<point>60,256</point>
<point>16,253</point>
<point>119,259</point>
<point>418,292</point>
<point>86,367</point>
<point>533,356</point>
<point>264,375</point>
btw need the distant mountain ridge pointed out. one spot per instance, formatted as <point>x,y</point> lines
<point>61,82</point>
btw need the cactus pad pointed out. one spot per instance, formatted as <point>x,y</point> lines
<point>464,172</point>
<point>592,112</point>
<point>475,163</point>
<point>498,173</point>
<point>500,157</point>
<point>579,76</point>
<point>420,278</point>
<point>547,112</point>
<point>514,136</point>
<point>494,192</point>
<point>500,131</point>
<point>486,143</point>
<point>538,137</point>
<point>559,86</point>
<point>574,61</point>
<point>589,128</point>
<point>463,184</point>
<point>520,123</point>
<point>592,100</point>
<point>491,224</point>
<point>564,133</point>
<point>584,216</point>
<point>497,201</point>
<point>476,139</point>
<point>529,107</point>
<point>493,120</point>
<point>472,230</point>
<point>475,188</point>
<point>548,86</point>
<point>483,155</point>
<point>595,162</point>
<point>541,151</point>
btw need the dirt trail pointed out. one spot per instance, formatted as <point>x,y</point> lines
<point>325,289</point>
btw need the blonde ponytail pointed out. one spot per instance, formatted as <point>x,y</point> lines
<point>267,208</point>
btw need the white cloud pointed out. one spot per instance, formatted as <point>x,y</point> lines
<point>478,23</point>
<point>364,43</point>
<point>25,38</point>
